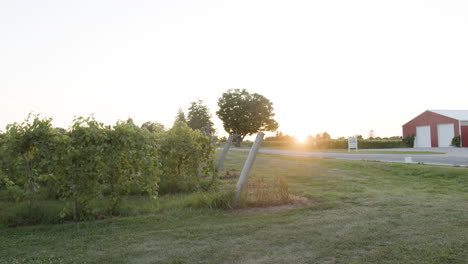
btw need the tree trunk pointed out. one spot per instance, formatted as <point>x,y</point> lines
<point>111,180</point>
<point>238,140</point>
<point>30,184</point>
<point>179,166</point>
<point>75,209</point>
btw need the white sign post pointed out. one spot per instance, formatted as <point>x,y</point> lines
<point>352,143</point>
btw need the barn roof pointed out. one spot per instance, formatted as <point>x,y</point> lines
<point>461,115</point>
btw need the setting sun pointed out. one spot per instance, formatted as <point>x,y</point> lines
<point>301,138</point>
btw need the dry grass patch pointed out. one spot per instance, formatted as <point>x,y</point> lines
<point>264,195</point>
<point>264,192</point>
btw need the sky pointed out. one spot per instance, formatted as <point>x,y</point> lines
<point>344,67</point>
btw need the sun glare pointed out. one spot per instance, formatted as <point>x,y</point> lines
<point>301,139</point>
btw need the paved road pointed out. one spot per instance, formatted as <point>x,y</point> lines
<point>451,156</point>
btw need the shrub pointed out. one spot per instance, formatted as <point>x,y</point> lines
<point>333,144</point>
<point>34,214</point>
<point>379,144</point>
<point>337,144</point>
<point>409,141</point>
<point>456,141</point>
<point>362,144</point>
<point>277,143</point>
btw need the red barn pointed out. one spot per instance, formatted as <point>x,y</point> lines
<point>436,128</point>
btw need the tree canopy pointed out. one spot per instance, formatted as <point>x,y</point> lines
<point>244,113</point>
<point>180,117</point>
<point>323,136</point>
<point>153,127</point>
<point>198,118</point>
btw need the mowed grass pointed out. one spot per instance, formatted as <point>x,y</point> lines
<point>390,152</point>
<point>367,212</point>
<point>300,147</point>
<point>360,151</point>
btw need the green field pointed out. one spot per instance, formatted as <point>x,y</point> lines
<point>365,212</point>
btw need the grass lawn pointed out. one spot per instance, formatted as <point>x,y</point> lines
<point>389,152</point>
<point>299,147</point>
<point>368,212</point>
<point>361,151</point>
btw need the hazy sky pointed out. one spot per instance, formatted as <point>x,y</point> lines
<point>344,67</point>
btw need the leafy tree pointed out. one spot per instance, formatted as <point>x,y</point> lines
<point>199,118</point>
<point>244,113</point>
<point>180,117</point>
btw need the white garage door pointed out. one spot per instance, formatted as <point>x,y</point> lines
<point>445,133</point>
<point>423,137</point>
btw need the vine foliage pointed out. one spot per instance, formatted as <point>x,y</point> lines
<point>93,168</point>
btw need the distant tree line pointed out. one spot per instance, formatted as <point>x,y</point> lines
<point>324,141</point>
